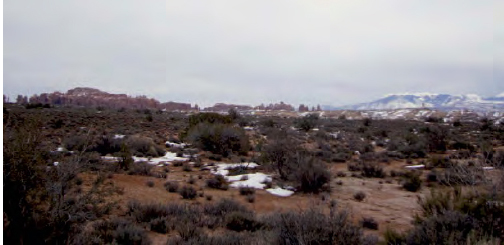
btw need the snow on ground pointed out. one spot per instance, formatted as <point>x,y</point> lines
<point>248,128</point>
<point>280,192</point>
<point>119,136</point>
<point>415,166</point>
<point>60,149</point>
<point>167,158</point>
<point>222,168</point>
<point>176,145</point>
<point>254,180</point>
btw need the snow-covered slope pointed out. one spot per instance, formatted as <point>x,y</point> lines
<point>427,100</point>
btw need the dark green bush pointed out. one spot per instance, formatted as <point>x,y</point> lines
<point>188,192</point>
<point>412,181</point>
<point>311,175</point>
<point>307,122</point>
<point>359,196</point>
<point>144,146</point>
<point>117,231</point>
<point>171,186</point>
<point>372,170</point>
<point>160,225</point>
<point>369,223</point>
<point>315,227</point>
<point>242,221</point>
<point>219,138</point>
<point>217,182</point>
<point>244,190</point>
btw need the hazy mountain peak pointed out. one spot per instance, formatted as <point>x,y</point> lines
<point>430,100</point>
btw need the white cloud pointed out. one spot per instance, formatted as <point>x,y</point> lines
<point>328,52</point>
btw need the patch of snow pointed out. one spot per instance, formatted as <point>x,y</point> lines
<point>222,168</point>
<point>315,129</point>
<point>119,136</point>
<point>110,158</point>
<point>488,168</point>
<point>55,163</point>
<point>176,145</point>
<point>415,166</point>
<point>335,135</point>
<point>60,149</point>
<point>254,180</point>
<point>168,157</point>
<point>280,192</point>
<point>248,128</point>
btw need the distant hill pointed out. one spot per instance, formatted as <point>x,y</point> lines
<point>91,97</point>
<point>434,101</point>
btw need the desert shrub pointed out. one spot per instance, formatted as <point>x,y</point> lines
<point>412,181</point>
<point>160,225</point>
<point>223,207</point>
<point>311,175</point>
<point>150,183</point>
<point>353,167</point>
<point>147,212</point>
<point>436,138</point>
<point>369,223</point>
<point>242,221</point>
<point>191,180</point>
<point>449,228</point>
<point>453,215</point>
<point>307,122</point>
<point>279,154</point>
<point>315,227</point>
<point>144,146</point>
<point>76,143</point>
<point>372,170</point>
<point>215,157</point>
<point>219,138</point>
<point>461,175</point>
<point>250,198</point>
<point>187,230</point>
<point>171,186</point>
<point>433,119</point>
<point>140,168</point>
<point>340,157</point>
<point>217,182</point>
<point>432,176</point>
<point>416,150</point>
<point>117,231</point>
<point>359,196</point>
<point>209,117</point>
<point>498,159</point>
<point>187,167</point>
<point>439,162</point>
<point>188,192</point>
<point>341,174</point>
<point>106,144</point>
<point>227,238</point>
<point>244,190</point>
<point>392,237</point>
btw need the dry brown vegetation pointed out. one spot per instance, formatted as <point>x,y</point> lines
<point>350,176</point>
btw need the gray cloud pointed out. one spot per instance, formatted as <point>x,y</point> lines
<point>320,51</point>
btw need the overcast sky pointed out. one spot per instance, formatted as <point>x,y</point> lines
<point>327,52</point>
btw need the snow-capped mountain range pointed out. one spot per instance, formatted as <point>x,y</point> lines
<point>434,101</point>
